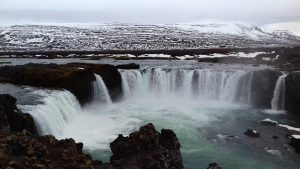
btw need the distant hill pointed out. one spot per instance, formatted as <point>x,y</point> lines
<point>141,37</point>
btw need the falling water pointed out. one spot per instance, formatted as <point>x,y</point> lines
<point>100,91</point>
<point>58,108</point>
<point>278,100</point>
<point>227,85</point>
<point>170,98</point>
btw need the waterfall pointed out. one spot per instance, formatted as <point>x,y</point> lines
<point>226,85</point>
<point>56,110</point>
<point>100,92</point>
<point>278,100</point>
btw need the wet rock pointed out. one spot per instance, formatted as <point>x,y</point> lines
<point>252,133</point>
<point>262,87</point>
<point>292,97</point>
<point>142,149</point>
<point>27,151</point>
<point>214,166</point>
<point>147,148</point>
<point>128,66</point>
<point>12,119</point>
<point>295,142</point>
<point>77,78</point>
<point>269,122</point>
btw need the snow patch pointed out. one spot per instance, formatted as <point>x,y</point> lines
<point>270,121</point>
<point>290,127</point>
<point>296,136</point>
<point>273,152</point>
<point>155,56</point>
<point>34,40</point>
<point>239,55</point>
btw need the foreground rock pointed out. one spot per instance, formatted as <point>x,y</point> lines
<point>12,119</point>
<point>147,148</point>
<point>77,78</point>
<point>25,151</point>
<point>143,149</point>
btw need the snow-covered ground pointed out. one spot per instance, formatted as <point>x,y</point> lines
<point>140,37</point>
<point>293,27</point>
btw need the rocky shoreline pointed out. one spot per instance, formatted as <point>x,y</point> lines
<point>22,147</point>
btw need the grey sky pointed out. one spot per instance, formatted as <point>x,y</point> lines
<point>148,11</point>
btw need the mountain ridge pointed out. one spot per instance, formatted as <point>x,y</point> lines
<point>141,36</point>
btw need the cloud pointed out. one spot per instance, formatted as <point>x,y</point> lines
<point>149,11</point>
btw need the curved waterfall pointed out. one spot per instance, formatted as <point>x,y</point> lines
<point>100,91</point>
<point>278,100</point>
<point>58,108</point>
<point>227,85</point>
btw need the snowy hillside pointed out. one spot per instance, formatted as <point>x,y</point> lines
<point>293,27</point>
<point>136,36</point>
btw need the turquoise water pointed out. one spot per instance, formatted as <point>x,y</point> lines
<point>196,123</point>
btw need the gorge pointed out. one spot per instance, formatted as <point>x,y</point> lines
<point>208,106</point>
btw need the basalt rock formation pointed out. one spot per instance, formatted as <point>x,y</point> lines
<point>22,148</point>
<point>147,148</point>
<point>128,66</point>
<point>77,78</point>
<point>12,119</point>
<point>292,97</point>
<point>263,84</point>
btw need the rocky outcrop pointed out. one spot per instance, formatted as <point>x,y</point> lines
<point>12,119</point>
<point>147,148</point>
<point>295,142</point>
<point>77,78</point>
<point>128,66</point>
<point>292,96</point>
<point>262,87</point>
<point>144,149</point>
<point>252,133</point>
<point>214,166</point>
<point>22,150</point>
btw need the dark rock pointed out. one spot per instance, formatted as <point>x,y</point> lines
<point>12,119</point>
<point>128,66</point>
<point>24,150</point>
<point>292,97</point>
<point>262,87</point>
<point>77,78</point>
<point>143,149</point>
<point>295,142</point>
<point>269,122</point>
<point>210,60</point>
<point>147,148</point>
<point>214,166</point>
<point>252,133</point>
<point>275,137</point>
